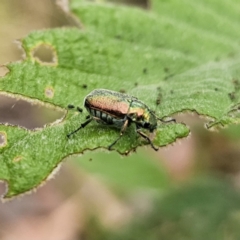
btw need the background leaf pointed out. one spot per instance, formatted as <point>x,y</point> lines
<point>207,208</point>
<point>153,55</point>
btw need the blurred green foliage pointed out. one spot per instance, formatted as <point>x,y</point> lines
<point>207,208</point>
<point>139,171</point>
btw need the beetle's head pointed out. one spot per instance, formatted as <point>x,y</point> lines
<point>148,121</point>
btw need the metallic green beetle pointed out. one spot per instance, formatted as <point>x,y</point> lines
<point>119,110</point>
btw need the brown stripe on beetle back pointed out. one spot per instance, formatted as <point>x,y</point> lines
<point>108,104</point>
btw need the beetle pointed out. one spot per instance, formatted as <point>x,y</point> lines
<point>119,110</point>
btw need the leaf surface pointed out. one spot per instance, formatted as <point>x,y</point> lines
<point>185,56</point>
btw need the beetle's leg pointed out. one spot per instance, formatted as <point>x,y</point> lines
<point>70,106</point>
<point>147,138</point>
<point>83,125</point>
<point>124,127</point>
<point>79,109</point>
<point>162,120</point>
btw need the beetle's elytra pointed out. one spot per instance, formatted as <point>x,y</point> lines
<point>119,110</point>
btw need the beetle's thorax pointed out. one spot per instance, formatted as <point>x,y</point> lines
<point>145,120</point>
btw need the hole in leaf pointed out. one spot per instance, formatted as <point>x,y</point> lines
<point>3,139</point>
<point>3,71</point>
<point>17,159</point>
<point>49,92</point>
<point>25,114</point>
<point>45,54</point>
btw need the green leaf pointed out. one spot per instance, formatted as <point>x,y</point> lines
<point>171,53</point>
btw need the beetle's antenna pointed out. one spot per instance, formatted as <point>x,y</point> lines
<point>166,121</point>
<point>162,119</point>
